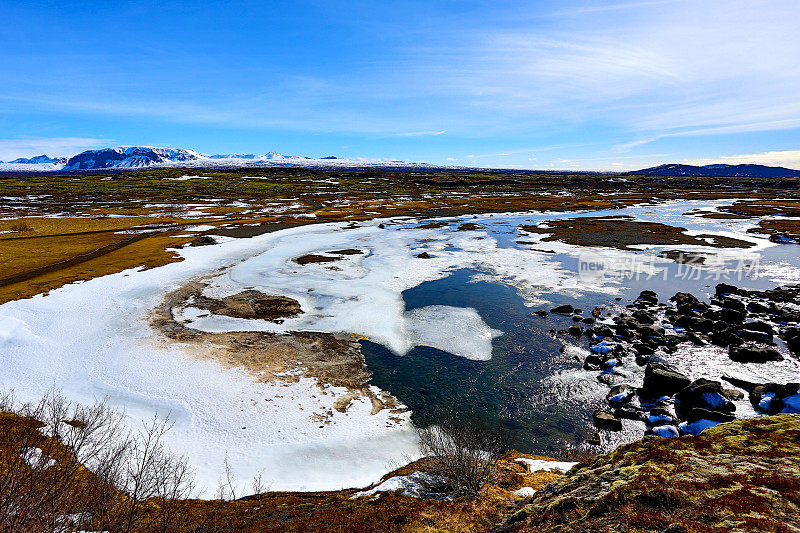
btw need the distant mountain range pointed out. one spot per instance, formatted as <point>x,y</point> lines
<point>39,159</point>
<point>749,171</point>
<point>123,157</point>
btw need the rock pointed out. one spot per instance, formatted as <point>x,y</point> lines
<point>621,394</point>
<point>732,316</point>
<point>662,380</point>
<point>652,331</point>
<point>758,307</point>
<point>597,311</point>
<point>733,394</point>
<point>592,362</point>
<point>738,379</point>
<point>604,331</point>
<point>612,378</point>
<point>696,339</point>
<point>732,303</point>
<point>588,320</point>
<point>578,311</point>
<point>703,394</point>
<point>565,309</point>
<point>723,334</point>
<point>643,349</point>
<point>773,398</point>
<point>724,289</point>
<point>755,336</point>
<point>643,317</point>
<point>753,354</point>
<point>703,325</point>
<point>630,412</point>
<point>606,420</point>
<point>647,297</point>
<point>542,313</point>
<point>424,255</point>
<point>685,302</point>
<point>758,325</point>
<point>792,338</point>
<point>697,427</point>
<point>575,331</point>
<point>577,318</point>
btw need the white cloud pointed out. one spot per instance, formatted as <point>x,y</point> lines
<point>420,133</point>
<point>785,158</point>
<point>54,146</point>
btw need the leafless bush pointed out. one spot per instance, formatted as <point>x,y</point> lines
<point>464,452</point>
<point>149,472</point>
<point>226,490</point>
<point>64,466</point>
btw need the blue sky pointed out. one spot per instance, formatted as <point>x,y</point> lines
<point>587,84</point>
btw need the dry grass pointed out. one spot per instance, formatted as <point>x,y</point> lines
<point>273,512</point>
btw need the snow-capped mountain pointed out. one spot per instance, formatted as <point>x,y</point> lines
<point>121,157</point>
<point>129,157</point>
<point>39,159</point>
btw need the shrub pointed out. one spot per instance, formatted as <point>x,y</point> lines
<point>464,452</point>
<point>64,466</point>
<point>21,227</point>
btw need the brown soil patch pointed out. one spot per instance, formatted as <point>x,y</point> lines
<point>786,228</point>
<point>347,251</point>
<point>315,258</point>
<point>760,208</point>
<point>690,258</point>
<point>624,232</point>
<point>250,304</point>
<point>469,226</point>
<point>330,359</point>
<point>435,224</point>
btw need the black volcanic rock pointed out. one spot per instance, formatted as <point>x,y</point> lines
<point>753,354</point>
<point>661,380</point>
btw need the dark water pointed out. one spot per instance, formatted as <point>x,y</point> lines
<point>513,387</point>
<point>507,388</point>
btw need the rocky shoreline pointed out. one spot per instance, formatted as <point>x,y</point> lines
<point>755,327</point>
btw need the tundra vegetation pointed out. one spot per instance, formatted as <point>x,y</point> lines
<point>65,467</point>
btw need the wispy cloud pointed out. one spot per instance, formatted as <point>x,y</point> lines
<point>420,134</point>
<point>54,147</point>
<point>612,7</point>
<point>612,76</point>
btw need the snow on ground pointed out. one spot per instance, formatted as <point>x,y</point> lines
<point>415,485</point>
<point>37,459</point>
<point>537,465</point>
<point>92,340</point>
<point>188,177</point>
